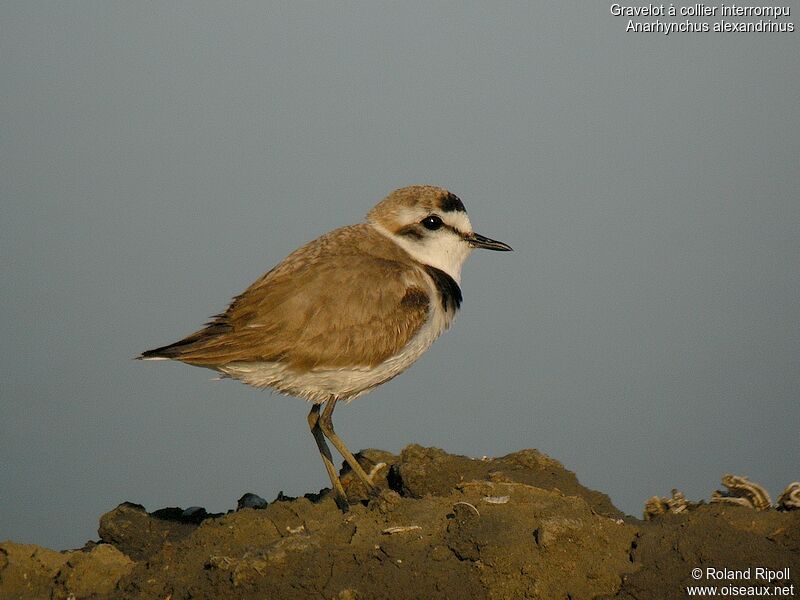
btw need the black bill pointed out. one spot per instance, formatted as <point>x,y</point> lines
<point>477,240</point>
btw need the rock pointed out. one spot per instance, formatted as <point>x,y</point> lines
<point>539,544</point>
<point>712,535</point>
<point>420,471</point>
<point>95,572</point>
<point>28,571</point>
<point>194,514</point>
<point>518,526</point>
<point>251,501</point>
<point>376,463</point>
<point>138,534</point>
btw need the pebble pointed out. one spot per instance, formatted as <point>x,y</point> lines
<point>251,501</point>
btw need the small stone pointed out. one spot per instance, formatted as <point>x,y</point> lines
<point>251,501</point>
<point>194,513</point>
<point>440,553</point>
<point>386,502</point>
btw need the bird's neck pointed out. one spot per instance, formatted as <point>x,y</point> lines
<point>447,255</point>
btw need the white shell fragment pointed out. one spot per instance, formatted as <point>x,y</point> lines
<point>744,492</point>
<point>400,529</point>
<point>295,530</point>
<point>496,499</point>
<point>472,506</point>
<point>374,470</point>
<point>790,498</point>
<point>740,491</point>
<point>657,506</point>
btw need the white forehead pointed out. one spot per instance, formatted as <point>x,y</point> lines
<point>457,219</point>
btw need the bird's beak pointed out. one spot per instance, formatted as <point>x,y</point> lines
<point>477,240</point>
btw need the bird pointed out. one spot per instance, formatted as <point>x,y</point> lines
<point>346,312</point>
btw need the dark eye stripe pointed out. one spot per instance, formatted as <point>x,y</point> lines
<point>411,231</point>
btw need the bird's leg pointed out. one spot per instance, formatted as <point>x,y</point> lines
<point>338,491</point>
<point>326,424</point>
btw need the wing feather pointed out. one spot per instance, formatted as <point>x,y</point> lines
<point>343,300</point>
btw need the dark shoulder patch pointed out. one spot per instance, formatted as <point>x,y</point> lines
<point>447,286</point>
<point>452,203</point>
<point>415,298</point>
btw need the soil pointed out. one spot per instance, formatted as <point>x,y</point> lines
<point>443,526</point>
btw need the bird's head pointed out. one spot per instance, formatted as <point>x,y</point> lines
<point>432,225</point>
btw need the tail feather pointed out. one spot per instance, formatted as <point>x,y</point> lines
<point>169,352</point>
<point>177,349</point>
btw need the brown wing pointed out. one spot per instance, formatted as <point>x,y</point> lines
<point>339,301</point>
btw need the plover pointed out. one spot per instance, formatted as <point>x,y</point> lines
<point>346,312</point>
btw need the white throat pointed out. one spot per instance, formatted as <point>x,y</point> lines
<point>445,253</point>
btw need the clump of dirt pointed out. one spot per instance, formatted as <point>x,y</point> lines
<point>443,526</point>
<point>28,572</point>
<point>720,538</point>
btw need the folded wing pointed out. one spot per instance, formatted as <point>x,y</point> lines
<point>328,310</point>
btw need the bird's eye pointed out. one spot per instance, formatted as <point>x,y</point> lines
<point>432,222</point>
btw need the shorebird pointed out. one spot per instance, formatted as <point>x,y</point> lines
<point>346,312</point>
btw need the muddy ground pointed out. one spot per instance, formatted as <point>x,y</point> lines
<point>444,526</point>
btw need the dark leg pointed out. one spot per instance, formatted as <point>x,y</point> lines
<point>326,425</point>
<point>327,460</point>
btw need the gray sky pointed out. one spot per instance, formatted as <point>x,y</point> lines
<point>155,158</point>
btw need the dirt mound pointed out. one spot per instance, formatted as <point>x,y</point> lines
<point>443,526</point>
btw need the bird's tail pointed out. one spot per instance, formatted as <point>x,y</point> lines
<point>178,350</point>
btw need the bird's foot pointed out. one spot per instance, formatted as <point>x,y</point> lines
<point>341,503</point>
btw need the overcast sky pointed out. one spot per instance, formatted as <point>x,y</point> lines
<point>155,158</point>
